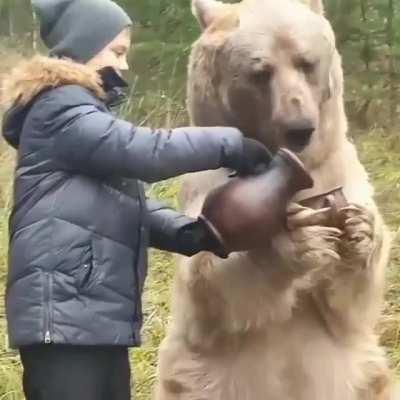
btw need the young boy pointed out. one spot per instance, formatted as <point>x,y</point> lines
<point>80,225</point>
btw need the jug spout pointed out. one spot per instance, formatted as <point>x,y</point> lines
<point>300,179</point>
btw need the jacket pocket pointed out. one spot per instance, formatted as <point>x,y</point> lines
<point>84,273</point>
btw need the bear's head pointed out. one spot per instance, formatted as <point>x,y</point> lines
<point>268,67</point>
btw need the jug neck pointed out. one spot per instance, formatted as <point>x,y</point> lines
<point>298,176</point>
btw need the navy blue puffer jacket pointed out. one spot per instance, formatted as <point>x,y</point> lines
<point>80,224</point>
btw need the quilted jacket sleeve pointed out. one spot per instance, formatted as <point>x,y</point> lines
<point>165,224</point>
<point>177,233</point>
<point>88,139</point>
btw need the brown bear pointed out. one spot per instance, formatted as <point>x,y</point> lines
<point>294,320</point>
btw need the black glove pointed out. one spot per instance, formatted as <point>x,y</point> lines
<point>255,158</point>
<point>196,237</point>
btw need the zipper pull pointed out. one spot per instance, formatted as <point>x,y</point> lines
<point>47,337</point>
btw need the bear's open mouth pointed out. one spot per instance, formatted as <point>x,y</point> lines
<point>299,139</point>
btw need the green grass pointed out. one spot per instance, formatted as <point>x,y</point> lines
<point>9,362</point>
<point>156,304</point>
<point>380,154</point>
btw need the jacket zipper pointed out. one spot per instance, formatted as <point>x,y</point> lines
<point>138,302</point>
<point>47,307</point>
<point>47,337</point>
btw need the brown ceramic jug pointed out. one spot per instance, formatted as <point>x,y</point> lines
<point>245,212</point>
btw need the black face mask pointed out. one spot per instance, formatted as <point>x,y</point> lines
<point>114,86</point>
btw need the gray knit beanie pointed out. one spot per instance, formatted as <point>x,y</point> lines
<point>79,29</point>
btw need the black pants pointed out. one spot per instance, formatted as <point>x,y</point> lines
<point>53,372</point>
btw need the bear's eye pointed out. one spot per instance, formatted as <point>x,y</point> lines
<point>308,67</point>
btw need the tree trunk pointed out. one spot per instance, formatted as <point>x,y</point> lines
<point>34,31</point>
<point>366,52</point>
<point>391,64</point>
<point>10,18</point>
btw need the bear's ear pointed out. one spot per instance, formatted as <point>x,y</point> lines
<point>206,11</point>
<point>317,6</point>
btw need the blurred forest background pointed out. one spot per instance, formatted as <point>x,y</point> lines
<point>368,37</point>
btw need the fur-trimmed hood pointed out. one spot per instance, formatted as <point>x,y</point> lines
<point>31,77</point>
